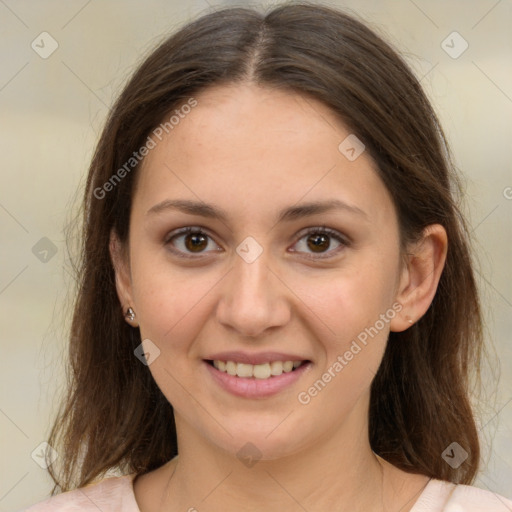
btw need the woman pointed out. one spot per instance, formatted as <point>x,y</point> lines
<point>277,307</point>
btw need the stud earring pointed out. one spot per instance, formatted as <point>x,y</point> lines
<point>130,314</point>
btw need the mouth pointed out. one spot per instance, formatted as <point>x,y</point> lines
<point>261,371</point>
<point>256,375</point>
<point>256,381</point>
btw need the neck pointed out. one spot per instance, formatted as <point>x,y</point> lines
<point>335,473</point>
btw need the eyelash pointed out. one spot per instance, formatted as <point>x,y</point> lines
<point>311,231</point>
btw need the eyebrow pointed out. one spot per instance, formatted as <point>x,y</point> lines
<point>288,214</point>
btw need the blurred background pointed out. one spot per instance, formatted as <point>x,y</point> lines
<point>64,62</point>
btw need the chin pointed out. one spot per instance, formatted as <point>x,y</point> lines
<point>253,440</point>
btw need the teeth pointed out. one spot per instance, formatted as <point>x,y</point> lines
<point>258,371</point>
<point>230,367</point>
<point>288,366</point>
<point>276,368</point>
<point>244,370</point>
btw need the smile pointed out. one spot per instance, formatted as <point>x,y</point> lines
<point>257,371</point>
<point>256,381</point>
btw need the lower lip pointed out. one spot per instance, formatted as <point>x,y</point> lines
<point>256,388</point>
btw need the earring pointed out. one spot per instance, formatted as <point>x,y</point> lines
<point>130,314</point>
<point>409,320</point>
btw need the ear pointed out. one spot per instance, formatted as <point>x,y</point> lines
<point>121,264</point>
<point>420,276</point>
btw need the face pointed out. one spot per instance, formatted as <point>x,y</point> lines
<point>261,278</point>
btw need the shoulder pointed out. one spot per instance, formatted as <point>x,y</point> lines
<point>111,494</point>
<point>449,497</point>
<point>473,498</point>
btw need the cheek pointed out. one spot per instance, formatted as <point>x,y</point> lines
<point>171,302</point>
<point>173,308</point>
<point>352,352</point>
<point>353,315</point>
<point>172,312</point>
<point>351,301</point>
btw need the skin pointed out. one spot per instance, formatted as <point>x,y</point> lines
<point>254,151</point>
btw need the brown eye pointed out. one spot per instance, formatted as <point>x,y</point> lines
<point>195,242</point>
<point>188,241</point>
<point>320,241</point>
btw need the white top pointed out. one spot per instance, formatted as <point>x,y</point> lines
<point>115,494</point>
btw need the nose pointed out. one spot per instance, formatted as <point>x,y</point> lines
<point>253,299</point>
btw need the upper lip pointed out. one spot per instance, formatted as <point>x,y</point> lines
<point>256,358</point>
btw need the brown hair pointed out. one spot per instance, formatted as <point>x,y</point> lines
<point>115,416</point>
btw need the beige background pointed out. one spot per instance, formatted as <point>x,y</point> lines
<point>52,112</point>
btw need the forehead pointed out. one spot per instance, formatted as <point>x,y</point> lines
<point>261,149</point>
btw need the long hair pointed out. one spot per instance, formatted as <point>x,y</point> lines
<point>114,416</point>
